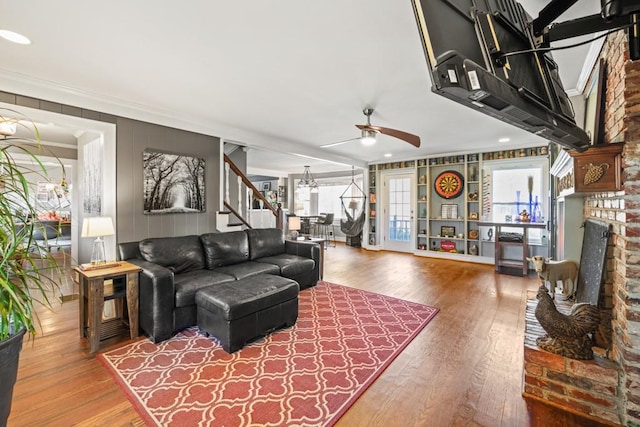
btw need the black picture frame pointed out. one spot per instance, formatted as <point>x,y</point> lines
<point>447,231</point>
<point>173,183</point>
<point>266,186</point>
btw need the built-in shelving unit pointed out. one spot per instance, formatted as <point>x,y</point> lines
<point>447,213</point>
<point>422,205</point>
<point>446,225</point>
<point>474,197</point>
<point>372,213</point>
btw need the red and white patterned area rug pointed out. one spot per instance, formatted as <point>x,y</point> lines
<point>308,374</point>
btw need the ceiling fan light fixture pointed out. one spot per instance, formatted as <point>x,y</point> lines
<point>368,137</point>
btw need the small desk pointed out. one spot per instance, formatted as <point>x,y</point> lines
<point>91,284</point>
<point>513,263</point>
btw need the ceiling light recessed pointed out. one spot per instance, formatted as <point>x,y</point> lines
<point>14,37</point>
<point>503,140</point>
<point>387,154</point>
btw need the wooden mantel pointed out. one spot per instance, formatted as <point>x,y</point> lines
<point>597,169</point>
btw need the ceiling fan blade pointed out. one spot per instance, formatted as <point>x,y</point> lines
<point>333,144</point>
<point>405,136</point>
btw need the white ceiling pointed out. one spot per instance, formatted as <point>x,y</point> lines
<point>283,77</point>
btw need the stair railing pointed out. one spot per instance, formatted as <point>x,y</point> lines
<point>242,207</point>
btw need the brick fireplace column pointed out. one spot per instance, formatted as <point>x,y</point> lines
<point>586,387</point>
<point>607,389</point>
<point>622,211</point>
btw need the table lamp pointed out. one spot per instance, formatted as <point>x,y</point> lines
<point>98,227</point>
<point>353,205</point>
<point>294,226</point>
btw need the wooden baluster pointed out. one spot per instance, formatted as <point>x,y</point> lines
<point>239,179</point>
<point>249,200</point>
<point>226,183</point>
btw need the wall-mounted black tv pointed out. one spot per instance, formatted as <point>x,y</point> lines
<point>465,42</point>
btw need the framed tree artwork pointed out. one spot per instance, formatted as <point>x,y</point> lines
<point>92,177</point>
<point>173,183</point>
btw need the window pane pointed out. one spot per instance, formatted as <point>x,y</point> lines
<point>329,199</point>
<point>302,201</point>
<point>399,209</point>
<point>515,190</point>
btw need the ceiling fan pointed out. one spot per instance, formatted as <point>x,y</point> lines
<point>369,133</point>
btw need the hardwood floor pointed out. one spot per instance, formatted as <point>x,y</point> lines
<point>463,369</point>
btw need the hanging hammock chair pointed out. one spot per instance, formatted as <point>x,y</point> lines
<point>353,209</point>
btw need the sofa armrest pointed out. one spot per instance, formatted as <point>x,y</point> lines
<point>307,249</point>
<point>303,248</point>
<point>157,300</point>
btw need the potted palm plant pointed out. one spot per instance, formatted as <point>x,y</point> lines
<point>24,278</point>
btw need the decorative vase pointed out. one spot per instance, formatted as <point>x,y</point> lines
<point>537,213</point>
<point>9,355</point>
<point>517,203</point>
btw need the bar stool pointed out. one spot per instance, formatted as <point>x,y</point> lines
<point>315,224</point>
<point>323,225</point>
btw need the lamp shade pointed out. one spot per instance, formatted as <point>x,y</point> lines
<point>353,204</point>
<point>8,127</point>
<point>294,223</point>
<point>97,226</point>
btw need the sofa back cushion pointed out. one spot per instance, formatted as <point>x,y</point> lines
<point>222,249</point>
<point>178,254</point>
<point>265,242</point>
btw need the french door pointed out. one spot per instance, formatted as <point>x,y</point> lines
<point>397,216</point>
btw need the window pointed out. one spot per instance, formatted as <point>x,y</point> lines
<point>302,202</point>
<point>400,209</point>
<point>511,185</point>
<point>329,199</point>
<point>512,191</point>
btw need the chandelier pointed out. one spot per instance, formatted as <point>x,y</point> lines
<point>307,181</point>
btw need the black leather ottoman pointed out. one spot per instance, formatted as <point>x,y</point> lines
<point>236,312</point>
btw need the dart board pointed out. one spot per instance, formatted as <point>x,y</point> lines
<point>449,184</point>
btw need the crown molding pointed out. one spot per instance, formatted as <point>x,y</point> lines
<point>589,62</point>
<point>55,92</point>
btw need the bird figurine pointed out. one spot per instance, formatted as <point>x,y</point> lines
<point>567,335</point>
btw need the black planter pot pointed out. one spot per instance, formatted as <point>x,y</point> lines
<point>9,354</point>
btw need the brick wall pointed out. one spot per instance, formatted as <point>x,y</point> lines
<point>590,387</point>
<point>622,210</point>
<point>598,388</point>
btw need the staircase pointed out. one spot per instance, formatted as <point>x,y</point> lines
<point>240,196</point>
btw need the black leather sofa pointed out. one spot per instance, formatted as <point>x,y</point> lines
<point>174,269</point>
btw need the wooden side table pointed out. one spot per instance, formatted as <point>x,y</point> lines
<point>520,263</point>
<point>92,297</point>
